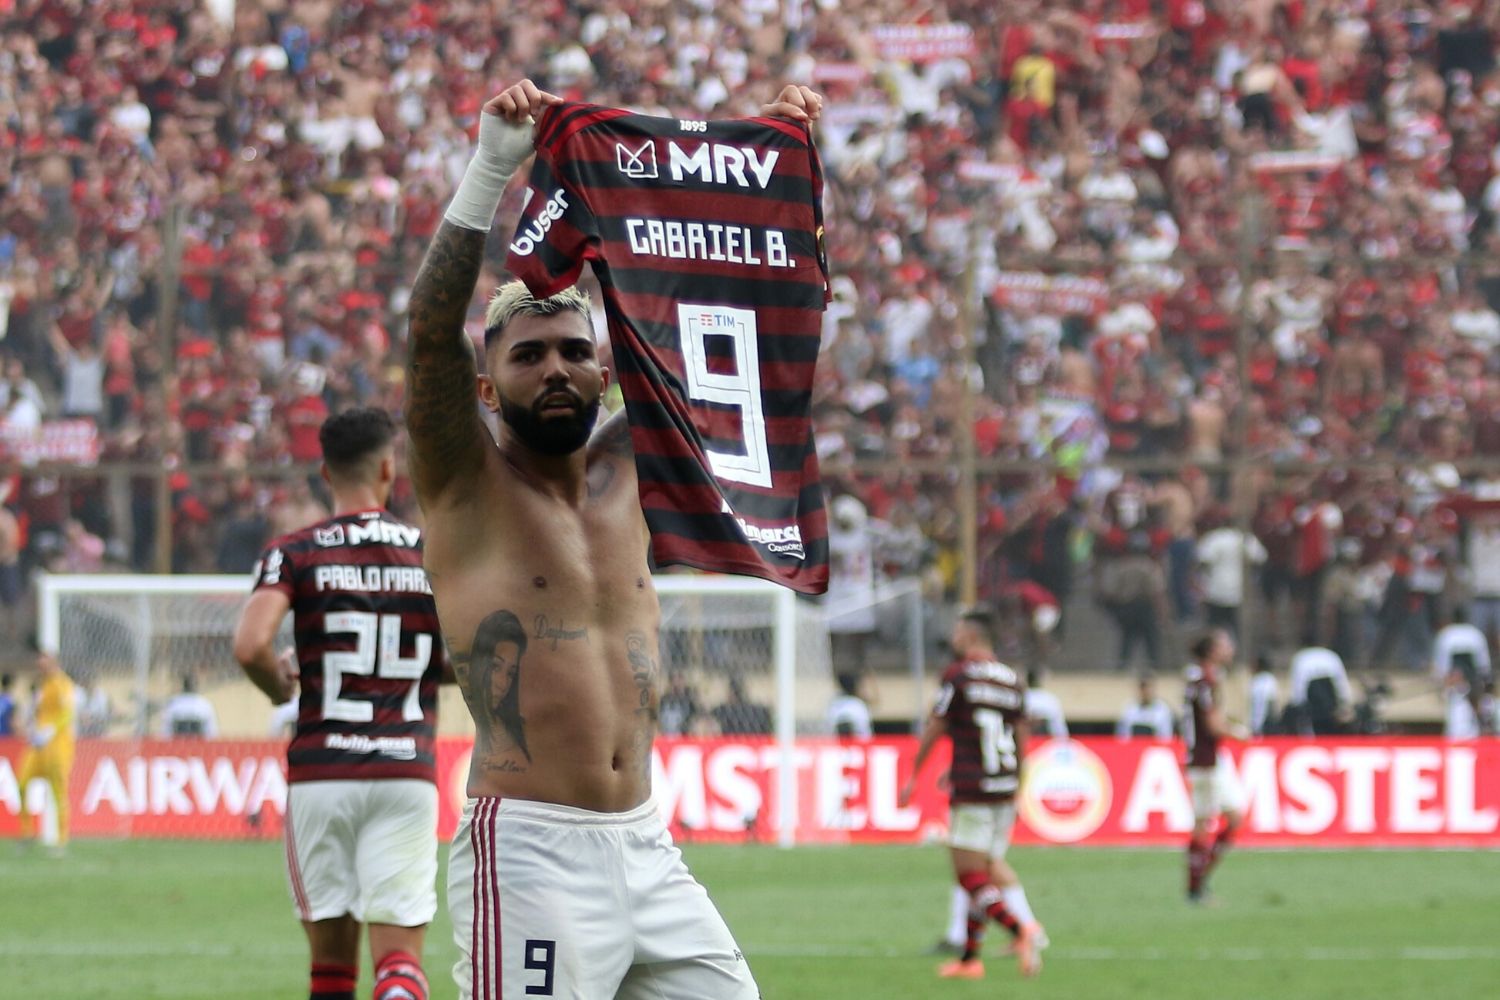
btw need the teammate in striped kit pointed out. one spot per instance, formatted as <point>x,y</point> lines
<point>361,844</point>
<point>563,880</point>
<point>1215,791</point>
<point>981,708</point>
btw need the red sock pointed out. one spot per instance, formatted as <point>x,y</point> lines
<point>398,976</point>
<point>1200,856</point>
<point>986,897</point>
<point>1222,843</point>
<point>332,982</point>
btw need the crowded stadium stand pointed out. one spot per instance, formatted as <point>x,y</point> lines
<point>1154,314</point>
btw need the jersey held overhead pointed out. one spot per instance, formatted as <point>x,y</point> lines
<point>706,237</point>
<point>982,701</point>
<point>368,647</point>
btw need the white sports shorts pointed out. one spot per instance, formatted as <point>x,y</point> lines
<point>366,848</point>
<point>982,826</point>
<point>1214,791</point>
<point>553,901</point>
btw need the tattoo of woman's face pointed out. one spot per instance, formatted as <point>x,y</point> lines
<point>494,681</point>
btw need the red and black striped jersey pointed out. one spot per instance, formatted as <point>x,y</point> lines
<point>368,645</point>
<point>1199,694</point>
<point>982,701</point>
<point>707,239</point>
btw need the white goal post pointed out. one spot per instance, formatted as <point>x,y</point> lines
<point>137,635</point>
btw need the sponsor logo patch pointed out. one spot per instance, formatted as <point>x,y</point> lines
<point>640,163</point>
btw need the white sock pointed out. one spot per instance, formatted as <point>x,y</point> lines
<point>1014,898</point>
<point>958,917</point>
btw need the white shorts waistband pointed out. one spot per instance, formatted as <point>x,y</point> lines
<point>561,815</point>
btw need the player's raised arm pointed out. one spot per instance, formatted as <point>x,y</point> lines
<point>448,439</point>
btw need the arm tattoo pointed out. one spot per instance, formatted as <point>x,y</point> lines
<point>490,676</point>
<point>613,436</point>
<point>601,477</point>
<point>441,394</point>
<point>609,447</point>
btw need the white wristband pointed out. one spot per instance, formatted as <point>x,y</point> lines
<point>502,149</point>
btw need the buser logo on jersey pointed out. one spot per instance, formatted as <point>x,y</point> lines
<point>525,243</point>
<point>716,163</point>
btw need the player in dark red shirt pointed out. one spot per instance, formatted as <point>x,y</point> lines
<point>1214,790</point>
<point>981,708</point>
<point>361,823</point>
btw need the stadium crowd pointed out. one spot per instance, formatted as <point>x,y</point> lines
<point>1125,186</point>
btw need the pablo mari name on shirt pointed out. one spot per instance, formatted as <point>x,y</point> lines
<point>372,579</point>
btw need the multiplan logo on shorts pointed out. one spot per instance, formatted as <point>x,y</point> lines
<point>638,163</point>
<point>526,241</point>
<point>1066,792</point>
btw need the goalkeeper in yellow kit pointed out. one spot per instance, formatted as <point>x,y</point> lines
<point>51,737</point>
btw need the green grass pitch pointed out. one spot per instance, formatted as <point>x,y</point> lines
<point>162,920</point>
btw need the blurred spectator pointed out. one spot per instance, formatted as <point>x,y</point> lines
<point>1265,699</point>
<point>94,710</point>
<point>678,710</point>
<point>1460,646</point>
<point>82,551</point>
<point>1223,553</point>
<point>244,537</point>
<point>1482,557</point>
<point>1460,717</point>
<point>1319,692</point>
<point>282,724</point>
<point>12,581</point>
<point>1350,600</point>
<point>738,716</point>
<point>1028,612</point>
<point>7,706</point>
<point>1044,709</point>
<point>848,713</point>
<point>189,715</point>
<point>1147,714</point>
<point>851,584</point>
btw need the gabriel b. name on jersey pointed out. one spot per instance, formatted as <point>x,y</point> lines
<point>673,239</point>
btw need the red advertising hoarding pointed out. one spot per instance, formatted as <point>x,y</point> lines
<point>1330,793</point>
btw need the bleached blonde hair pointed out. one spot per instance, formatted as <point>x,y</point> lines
<point>512,299</point>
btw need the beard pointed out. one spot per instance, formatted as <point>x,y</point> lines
<point>552,435</point>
